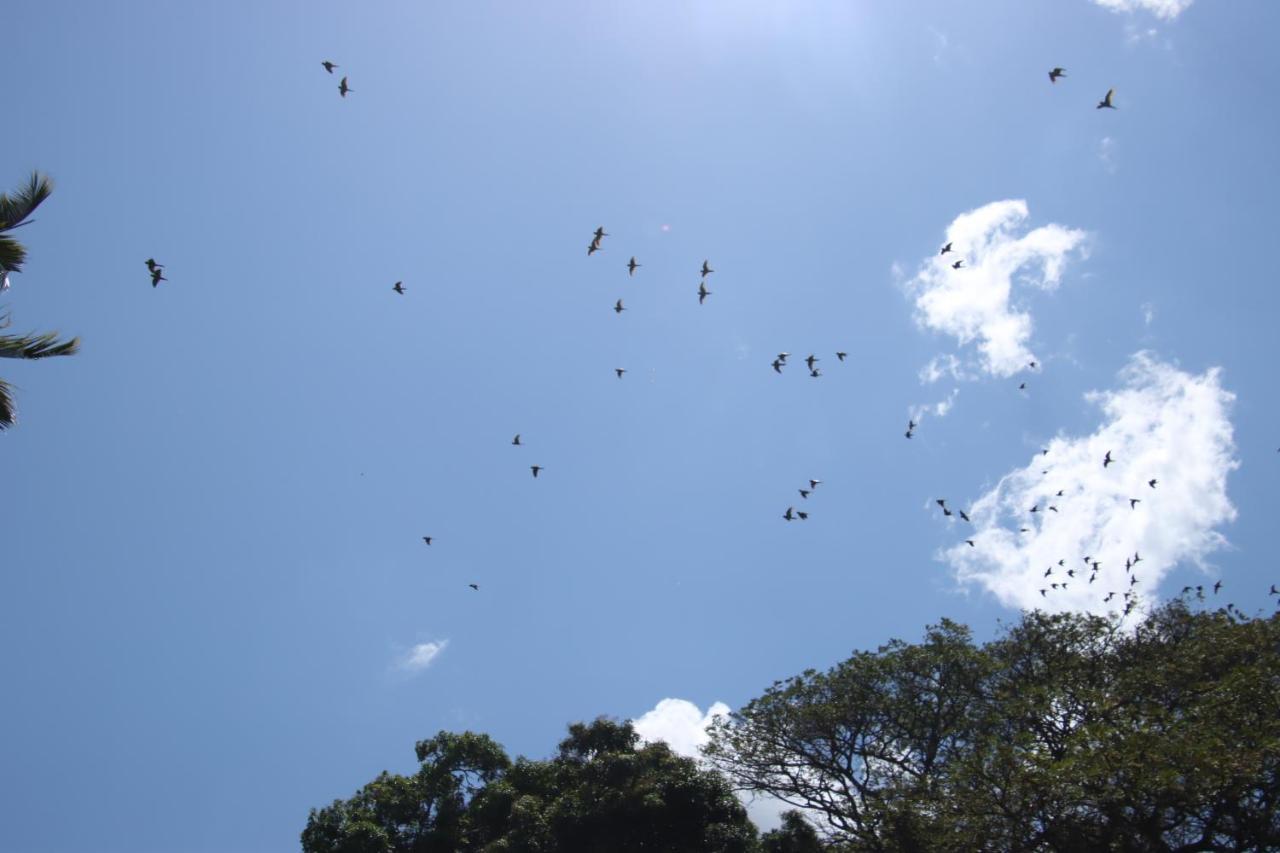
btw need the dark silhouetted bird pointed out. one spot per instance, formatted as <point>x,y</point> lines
<point>1110,595</point>
<point>1059,494</point>
<point>1107,460</point>
<point>777,366</point>
<point>789,515</point>
<point>1035,508</point>
<point>516,440</point>
<point>535,469</point>
<point>804,493</point>
<point>703,293</point>
<point>619,371</point>
<point>969,542</point>
<point>815,372</point>
<point>398,288</point>
<point>474,586</point>
<point>706,269</point>
<point>958,264</point>
<point>1042,592</point>
<point>1048,571</point>
<point>599,234</point>
<point>945,249</point>
<point>152,266</point>
<point>803,516</point>
<point>1022,386</point>
<point>1217,586</point>
<point>1152,483</point>
<point>1133,502</point>
<point>329,66</point>
<point>841,355</point>
<point>942,502</point>
<point>593,248</point>
<point>810,360</point>
<point>617,308</point>
<point>157,276</point>
<point>343,88</point>
<point>1055,74</point>
<point>426,539</point>
<point>962,515</point>
<point>1053,508</point>
<point>1032,365</point>
<point>1274,591</point>
<point>631,266</point>
<point>1106,102</point>
<point>813,484</point>
<point>782,357</point>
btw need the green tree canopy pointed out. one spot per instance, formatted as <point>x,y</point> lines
<point>1065,733</point>
<point>602,791</point>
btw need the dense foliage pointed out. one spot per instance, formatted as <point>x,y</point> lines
<point>1068,732</point>
<point>602,792</point>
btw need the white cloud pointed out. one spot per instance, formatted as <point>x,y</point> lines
<point>421,656</point>
<point>1148,313</point>
<point>943,365</point>
<point>1107,154</point>
<point>1165,9</point>
<point>1161,423</point>
<point>975,304</point>
<point>683,726</point>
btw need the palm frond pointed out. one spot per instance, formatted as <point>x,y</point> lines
<point>15,209</point>
<point>36,346</point>
<point>12,254</point>
<point>7,414</point>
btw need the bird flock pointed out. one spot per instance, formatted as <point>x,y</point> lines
<point>1062,575</point>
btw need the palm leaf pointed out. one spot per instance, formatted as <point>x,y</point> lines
<point>36,346</point>
<point>14,211</point>
<point>7,414</point>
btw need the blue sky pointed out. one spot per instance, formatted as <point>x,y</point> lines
<point>214,575</point>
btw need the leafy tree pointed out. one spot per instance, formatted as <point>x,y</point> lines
<point>796,835</point>
<point>602,791</point>
<point>15,211</point>
<point>1065,733</point>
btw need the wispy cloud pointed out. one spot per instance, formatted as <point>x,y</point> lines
<point>975,304</point>
<point>1161,423</point>
<point>1107,154</point>
<point>1164,9</point>
<point>421,656</point>
<point>683,726</point>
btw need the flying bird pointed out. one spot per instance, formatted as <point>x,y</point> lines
<point>1106,102</point>
<point>617,308</point>
<point>789,515</point>
<point>804,493</point>
<point>593,247</point>
<point>942,502</point>
<point>810,360</point>
<point>958,264</point>
<point>803,516</point>
<point>777,366</point>
<point>703,293</point>
<point>599,234</point>
<point>813,484</point>
<point>516,440</point>
<point>1053,508</point>
<point>1107,460</point>
<point>619,371</point>
<point>969,542</point>
<point>1055,74</point>
<point>911,427</point>
<point>841,355</point>
<point>1133,502</point>
<point>962,515</point>
<point>398,288</point>
<point>1217,586</point>
<point>474,586</point>
<point>706,269</point>
<point>157,276</point>
<point>815,372</point>
<point>1152,483</point>
<point>782,357</point>
<point>945,249</point>
<point>152,266</point>
<point>426,539</point>
<point>631,266</point>
<point>343,88</point>
<point>329,66</point>
<point>535,469</point>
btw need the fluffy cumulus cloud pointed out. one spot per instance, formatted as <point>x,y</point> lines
<point>1165,9</point>
<point>980,303</point>
<point>683,726</point>
<point>421,656</point>
<point>1161,424</point>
